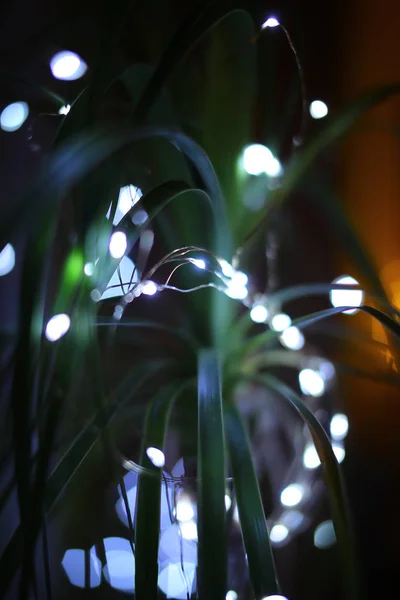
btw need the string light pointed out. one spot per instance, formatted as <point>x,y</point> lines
<point>292,494</point>
<point>259,313</point>
<point>57,327</point>
<point>280,322</point>
<point>292,338</point>
<point>67,66</point>
<point>14,116</point>
<point>318,109</point>
<point>149,288</point>
<point>310,457</point>
<point>311,383</point>
<point>88,269</point>
<point>339,426</point>
<point>156,456</point>
<point>347,297</point>
<point>278,533</point>
<point>270,22</point>
<point>64,110</point>
<point>258,159</point>
<point>7,260</point>
<point>118,244</point>
<point>198,262</point>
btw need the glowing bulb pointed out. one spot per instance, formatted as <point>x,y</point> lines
<point>339,426</point>
<point>324,535</point>
<point>318,109</point>
<point>13,116</point>
<point>228,502</point>
<point>273,167</point>
<point>88,269</point>
<point>149,288</point>
<point>236,287</point>
<point>311,383</point>
<point>231,595</point>
<point>64,110</point>
<point>270,22</point>
<point>67,66</point>
<point>184,509</point>
<point>346,297</point>
<point>198,262</point>
<point>226,268</point>
<point>292,519</point>
<point>339,452</point>
<point>256,158</point>
<point>57,327</point>
<point>274,597</point>
<point>281,322</point>
<point>259,313</point>
<point>278,533</point>
<point>292,494</point>
<point>189,530</point>
<point>327,370</point>
<point>310,457</point>
<point>7,260</point>
<point>292,338</point>
<point>156,456</point>
<point>235,515</point>
<point>118,244</point>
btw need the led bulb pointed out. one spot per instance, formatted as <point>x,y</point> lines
<point>310,457</point>
<point>198,262</point>
<point>259,313</point>
<point>311,383</point>
<point>270,22</point>
<point>318,109</point>
<point>7,260</point>
<point>118,244</point>
<point>57,327</point>
<point>67,66</point>
<point>292,494</point>
<point>156,456</point>
<point>14,116</point>
<point>281,322</point>
<point>346,297</point>
<point>278,533</point>
<point>292,338</point>
<point>339,426</point>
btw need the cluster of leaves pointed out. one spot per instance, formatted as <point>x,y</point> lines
<point>183,154</point>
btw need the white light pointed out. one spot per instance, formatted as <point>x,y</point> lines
<point>278,533</point>
<point>120,564</point>
<point>339,452</point>
<point>139,217</point>
<point>226,268</point>
<point>259,313</point>
<point>73,563</point>
<point>339,426</point>
<point>13,116</point>
<point>281,322</point>
<point>237,286</point>
<point>7,260</point>
<point>198,262</point>
<point>346,297</point>
<point>118,244</point>
<point>129,195</point>
<point>270,22</point>
<point>292,494</point>
<point>311,383</point>
<point>64,110</point>
<point>149,288</point>
<point>292,338</point>
<point>327,370</point>
<point>88,269</point>
<point>274,597</point>
<point>125,272</point>
<point>318,109</point>
<point>184,508</point>
<point>256,159</point>
<point>235,515</point>
<point>175,582</point>
<point>156,456</point>
<point>273,168</point>
<point>324,535</point>
<point>292,519</point>
<point>166,497</point>
<point>310,457</point>
<point>228,502</point>
<point>231,595</point>
<point>57,327</point>
<point>67,65</point>
<point>189,530</point>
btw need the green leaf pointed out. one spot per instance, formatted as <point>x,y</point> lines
<point>212,556</point>
<point>251,512</point>
<point>147,519</point>
<point>337,494</point>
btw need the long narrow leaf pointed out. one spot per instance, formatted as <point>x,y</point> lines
<point>251,512</point>
<point>211,473</point>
